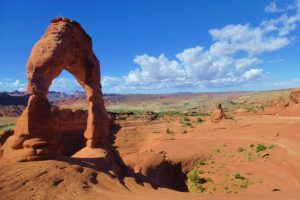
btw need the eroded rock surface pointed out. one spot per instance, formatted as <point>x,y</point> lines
<point>64,46</point>
<point>217,114</point>
<point>294,97</point>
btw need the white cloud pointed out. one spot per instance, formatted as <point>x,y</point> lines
<point>272,8</point>
<point>253,74</point>
<point>154,68</point>
<point>233,59</point>
<point>60,84</point>
<point>63,84</point>
<point>8,84</point>
<point>244,63</point>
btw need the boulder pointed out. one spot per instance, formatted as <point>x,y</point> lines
<point>217,114</point>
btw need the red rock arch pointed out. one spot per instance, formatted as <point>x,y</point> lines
<point>64,46</point>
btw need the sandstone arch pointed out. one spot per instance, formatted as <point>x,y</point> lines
<point>64,46</point>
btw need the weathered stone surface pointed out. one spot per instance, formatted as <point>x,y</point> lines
<point>64,46</point>
<point>294,97</point>
<point>217,114</point>
<point>19,155</point>
<point>4,135</point>
<point>279,102</point>
<point>34,143</point>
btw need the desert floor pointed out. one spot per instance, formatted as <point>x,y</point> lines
<point>228,156</point>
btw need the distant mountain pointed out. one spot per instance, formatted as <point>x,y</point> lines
<point>55,96</point>
<point>13,98</point>
<point>12,103</point>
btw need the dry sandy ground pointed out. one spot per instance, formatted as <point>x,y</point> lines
<point>225,149</point>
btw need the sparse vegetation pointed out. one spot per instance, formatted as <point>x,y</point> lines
<point>7,123</point>
<point>260,147</point>
<point>195,182</point>
<point>186,119</point>
<point>239,176</point>
<point>184,131</point>
<point>251,109</point>
<point>271,146</point>
<point>200,120</point>
<point>200,162</point>
<point>240,149</point>
<point>169,131</point>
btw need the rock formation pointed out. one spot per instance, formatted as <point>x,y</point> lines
<point>279,102</point>
<point>65,46</point>
<point>217,114</point>
<point>294,98</point>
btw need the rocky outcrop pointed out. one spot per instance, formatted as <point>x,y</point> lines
<point>217,114</point>
<point>294,98</point>
<point>65,46</point>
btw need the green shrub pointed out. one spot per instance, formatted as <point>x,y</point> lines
<point>232,102</point>
<point>200,162</point>
<point>195,182</point>
<point>239,176</point>
<point>169,131</point>
<point>251,109</point>
<point>200,120</point>
<point>271,146</point>
<point>186,119</point>
<point>260,148</point>
<point>189,124</point>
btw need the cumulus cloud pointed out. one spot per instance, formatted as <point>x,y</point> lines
<point>232,59</point>
<point>272,8</point>
<point>8,84</point>
<point>63,84</point>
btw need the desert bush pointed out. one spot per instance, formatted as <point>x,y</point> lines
<point>260,148</point>
<point>200,162</point>
<point>200,120</point>
<point>251,109</point>
<point>195,182</point>
<point>239,176</point>
<point>271,146</point>
<point>169,131</point>
<point>186,119</point>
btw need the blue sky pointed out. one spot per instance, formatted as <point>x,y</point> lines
<point>164,46</point>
